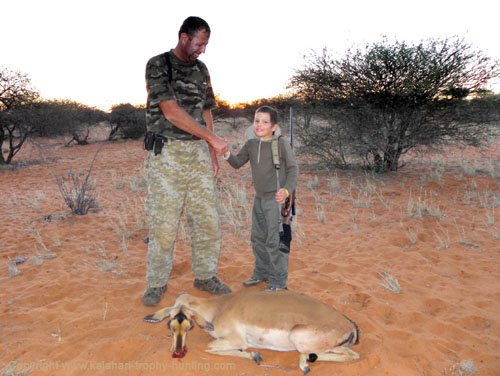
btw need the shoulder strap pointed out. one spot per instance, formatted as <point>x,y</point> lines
<point>275,151</point>
<point>276,162</point>
<point>166,60</point>
<point>168,63</point>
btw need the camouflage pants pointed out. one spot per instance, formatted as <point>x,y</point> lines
<point>181,179</point>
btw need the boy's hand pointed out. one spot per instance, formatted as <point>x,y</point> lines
<point>219,145</point>
<point>281,196</point>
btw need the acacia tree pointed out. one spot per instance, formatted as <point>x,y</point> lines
<point>80,119</point>
<point>387,98</point>
<point>58,117</point>
<point>16,96</point>
<point>127,120</point>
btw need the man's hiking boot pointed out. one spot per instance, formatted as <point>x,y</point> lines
<point>252,281</point>
<point>152,295</point>
<point>212,285</point>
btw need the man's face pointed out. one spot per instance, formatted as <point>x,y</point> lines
<point>196,45</point>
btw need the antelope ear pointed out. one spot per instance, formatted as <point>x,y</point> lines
<point>198,319</point>
<point>158,316</point>
<point>151,318</point>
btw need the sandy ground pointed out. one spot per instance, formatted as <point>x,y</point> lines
<point>412,257</point>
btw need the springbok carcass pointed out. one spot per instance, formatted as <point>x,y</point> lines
<point>274,320</point>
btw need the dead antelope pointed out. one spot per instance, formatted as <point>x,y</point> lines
<point>280,321</point>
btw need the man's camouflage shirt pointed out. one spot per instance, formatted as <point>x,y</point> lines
<point>190,87</point>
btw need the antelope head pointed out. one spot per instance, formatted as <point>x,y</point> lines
<point>179,324</point>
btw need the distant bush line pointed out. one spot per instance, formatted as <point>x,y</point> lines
<point>367,108</point>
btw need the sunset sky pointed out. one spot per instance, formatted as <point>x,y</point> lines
<point>95,51</point>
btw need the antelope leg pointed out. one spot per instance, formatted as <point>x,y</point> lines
<point>338,354</point>
<point>303,363</point>
<point>222,346</point>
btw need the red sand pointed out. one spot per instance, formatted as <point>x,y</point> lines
<point>76,309</point>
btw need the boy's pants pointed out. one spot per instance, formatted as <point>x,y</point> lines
<point>270,262</point>
<point>181,179</point>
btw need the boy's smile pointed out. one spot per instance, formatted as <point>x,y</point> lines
<point>263,127</point>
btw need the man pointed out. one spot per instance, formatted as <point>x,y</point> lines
<point>182,162</point>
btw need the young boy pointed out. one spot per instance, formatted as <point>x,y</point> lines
<point>272,187</point>
<point>286,235</point>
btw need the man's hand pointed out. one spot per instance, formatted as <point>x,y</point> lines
<point>215,162</point>
<point>219,145</point>
<point>215,165</point>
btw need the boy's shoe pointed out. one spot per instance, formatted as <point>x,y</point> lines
<point>276,288</point>
<point>152,295</point>
<point>284,247</point>
<point>212,285</point>
<point>252,281</point>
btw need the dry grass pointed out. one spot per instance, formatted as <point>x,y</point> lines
<point>423,206</point>
<point>412,235</point>
<point>464,368</point>
<point>14,369</point>
<point>344,202</point>
<point>390,282</point>
<point>77,190</point>
<point>12,269</point>
<point>121,229</point>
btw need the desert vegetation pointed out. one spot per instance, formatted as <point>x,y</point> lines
<point>364,109</point>
<point>381,101</point>
<point>396,251</point>
<point>404,244</point>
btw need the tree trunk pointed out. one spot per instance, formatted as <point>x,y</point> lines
<point>113,132</point>
<point>391,158</point>
<point>2,135</point>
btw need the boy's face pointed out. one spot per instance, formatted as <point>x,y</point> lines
<point>263,127</point>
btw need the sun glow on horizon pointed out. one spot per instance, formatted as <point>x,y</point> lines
<point>89,54</point>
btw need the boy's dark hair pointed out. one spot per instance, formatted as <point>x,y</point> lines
<point>192,25</point>
<point>273,113</point>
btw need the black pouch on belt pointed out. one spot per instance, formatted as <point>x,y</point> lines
<point>159,142</point>
<point>149,140</point>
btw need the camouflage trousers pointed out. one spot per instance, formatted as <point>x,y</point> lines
<point>180,179</point>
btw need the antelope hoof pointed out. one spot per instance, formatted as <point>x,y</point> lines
<point>257,357</point>
<point>151,318</point>
<point>306,370</point>
<point>208,327</point>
